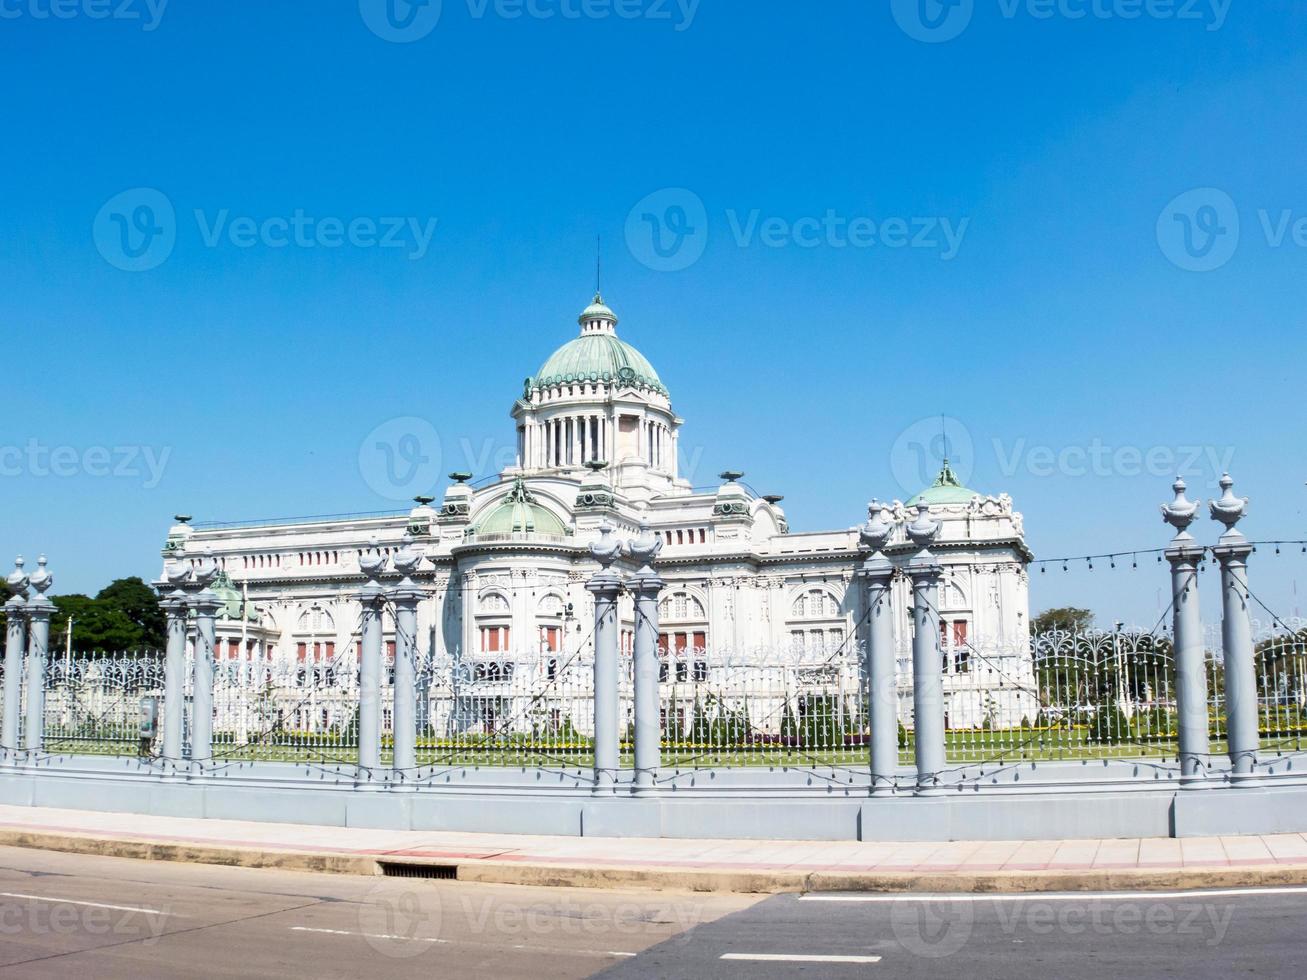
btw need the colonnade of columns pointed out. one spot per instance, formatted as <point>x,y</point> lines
<point>574,440</point>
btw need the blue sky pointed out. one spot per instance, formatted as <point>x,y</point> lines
<point>858,230</point>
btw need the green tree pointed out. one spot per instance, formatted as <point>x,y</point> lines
<point>1067,618</point>
<point>140,604</point>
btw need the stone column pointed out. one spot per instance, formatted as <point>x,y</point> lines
<point>39,611</point>
<point>1184,554</point>
<point>205,604</point>
<point>1241,706</point>
<point>645,586</point>
<point>372,598</point>
<point>406,597</point>
<point>882,685</point>
<point>175,608</point>
<point>927,664</point>
<point>606,586</point>
<point>15,647</point>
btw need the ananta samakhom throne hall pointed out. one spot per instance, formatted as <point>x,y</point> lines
<point>504,564</point>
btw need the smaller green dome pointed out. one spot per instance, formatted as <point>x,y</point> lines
<point>518,513</point>
<point>947,489</point>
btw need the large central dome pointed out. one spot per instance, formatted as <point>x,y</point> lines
<point>597,356</point>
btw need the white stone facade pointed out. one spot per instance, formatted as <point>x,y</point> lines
<point>507,562</point>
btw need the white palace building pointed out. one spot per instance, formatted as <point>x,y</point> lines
<point>506,564</point>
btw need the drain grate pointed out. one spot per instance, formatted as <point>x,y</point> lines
<point>401,869</point>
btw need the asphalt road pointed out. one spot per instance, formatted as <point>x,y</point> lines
<point>66,915</point>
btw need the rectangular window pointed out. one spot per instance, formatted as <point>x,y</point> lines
<point>662,644</point>
<point>959,632</point>
<point>700,642</point>
<point>301,652</point>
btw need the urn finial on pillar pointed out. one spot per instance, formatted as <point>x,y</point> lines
<point>645,548</point>
<point>1229,510</point>
<point>875,534</point>
<point>1181,512</point>
<point>18,579</point>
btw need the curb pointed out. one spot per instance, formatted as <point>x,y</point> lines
<point>660,878</point>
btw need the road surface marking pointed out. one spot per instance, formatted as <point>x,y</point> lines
<point>1055,896</point>
<point>797,958</point>
<point>93,905</point>
<point>367,935</point>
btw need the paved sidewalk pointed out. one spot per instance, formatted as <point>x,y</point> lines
<point>716,865</point>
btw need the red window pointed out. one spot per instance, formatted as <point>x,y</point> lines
<point>662,644</point>
<point>701,641</point>
<point>390,650</point>
<point>549,638</point>
<point>682,641</point>
<point>959,632</point>
<point>301,652</point>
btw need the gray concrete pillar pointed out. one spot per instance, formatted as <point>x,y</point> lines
<point>606,586</point>
<point>175,609</point>
<point>39,611</point>
<point>645,586</point>
<point>406,597</point>
<point>927,662</point>
<point>1184,554</point>
<point>372,599</point>
<point>882,683</point>
<point>1241,704</point>
<point>15,648</point>
<point>205,605</point>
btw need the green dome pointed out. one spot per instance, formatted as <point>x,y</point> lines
<point>946,489</point>
<point>518,513</point>
<point>597,356</point>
